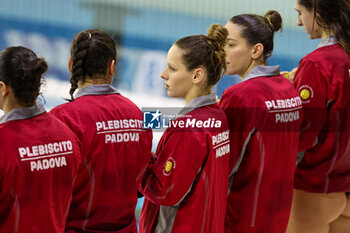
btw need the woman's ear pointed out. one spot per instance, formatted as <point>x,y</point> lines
<point>70,65</point>
<point>4,89</point>
<point>198,75</point>
<point>257,51</point>
<point>111,68</point>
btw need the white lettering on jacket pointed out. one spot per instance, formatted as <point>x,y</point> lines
<point>122,137</point>
<point>221,144</point>
<point>46,156</point>
<point>117,131</point>
<point>45,149</point>
<point>285,110</point>
<point>283,103</point>
<point>45,164</point>
<point>118,124</point>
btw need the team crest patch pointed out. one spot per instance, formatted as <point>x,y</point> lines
<point>169,166</point>
<point>306,92</point>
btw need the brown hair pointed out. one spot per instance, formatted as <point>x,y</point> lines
<point>260,29</point>
<point>91,52</point>
<point>333,16</point>
<point>308,4</point>
<point>22,70</point>
<point>206,51</point>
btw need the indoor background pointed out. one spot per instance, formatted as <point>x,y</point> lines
<point>144,31</point>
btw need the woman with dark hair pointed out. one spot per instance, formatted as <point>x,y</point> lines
<point>186,187</point>
<point>115,147</point>
<point>323,81</point>
<point>39,156</point>
<point>264,114</point>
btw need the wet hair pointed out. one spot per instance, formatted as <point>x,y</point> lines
<point>259,29</point>
<point>333,16</point>
<point>91,53</point>
<point>22,70</point>
<point>206,51</point>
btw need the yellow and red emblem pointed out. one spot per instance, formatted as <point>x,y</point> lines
<point>169,166</point>
<point>306,92</point>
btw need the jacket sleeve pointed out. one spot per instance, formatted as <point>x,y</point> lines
<point>310,82</point>
<point>180,156</point>
<point>145,154</point>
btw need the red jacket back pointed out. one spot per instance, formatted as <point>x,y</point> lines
<point>323,82</point>
<point>115,149</point>
<point>264,114</point>
<point>39,160</point>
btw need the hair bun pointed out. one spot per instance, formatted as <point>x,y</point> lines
<point>218,33</point>
<point>274,20</point>
<point>34,67</point>
<point>41,66</point>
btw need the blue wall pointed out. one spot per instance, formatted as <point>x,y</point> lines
<point>48,27</point>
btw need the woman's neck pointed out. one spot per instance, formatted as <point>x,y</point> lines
<point>196,93</point>
<point>97,80</point>
<point>11,104</point>
<point>252,65</point>
<point>326,34</point>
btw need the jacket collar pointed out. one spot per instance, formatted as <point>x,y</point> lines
<point>260,71</point>
<point>328,41</point>
<point>104,89</point>
<point>23,113</point>
<point>198,102</point>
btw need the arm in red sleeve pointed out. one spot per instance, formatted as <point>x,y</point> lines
<point>180,157</point>
<point>310,82</point>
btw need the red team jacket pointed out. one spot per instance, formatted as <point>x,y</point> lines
<point>116,150</point>
<point>186,188</point>
<point>264,114</point>
<point>323,82</point>
<point>39,160</point>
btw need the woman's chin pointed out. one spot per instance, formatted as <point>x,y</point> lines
<point>171,95</point>
<point>228,72</point>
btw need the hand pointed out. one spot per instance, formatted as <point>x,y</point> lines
<point>217,100</point>
<point>289,75</point>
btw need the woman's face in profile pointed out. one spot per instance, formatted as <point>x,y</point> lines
<point>306,18</point>
<point>177,79</point>
<point>238,51</point>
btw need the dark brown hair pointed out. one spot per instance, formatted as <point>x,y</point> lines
<point>22,70</point>
<point>206,51</point>
<point>333,16</point>
<point>308,4</point>
<point>91,52</point>
<point>259,29</point>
